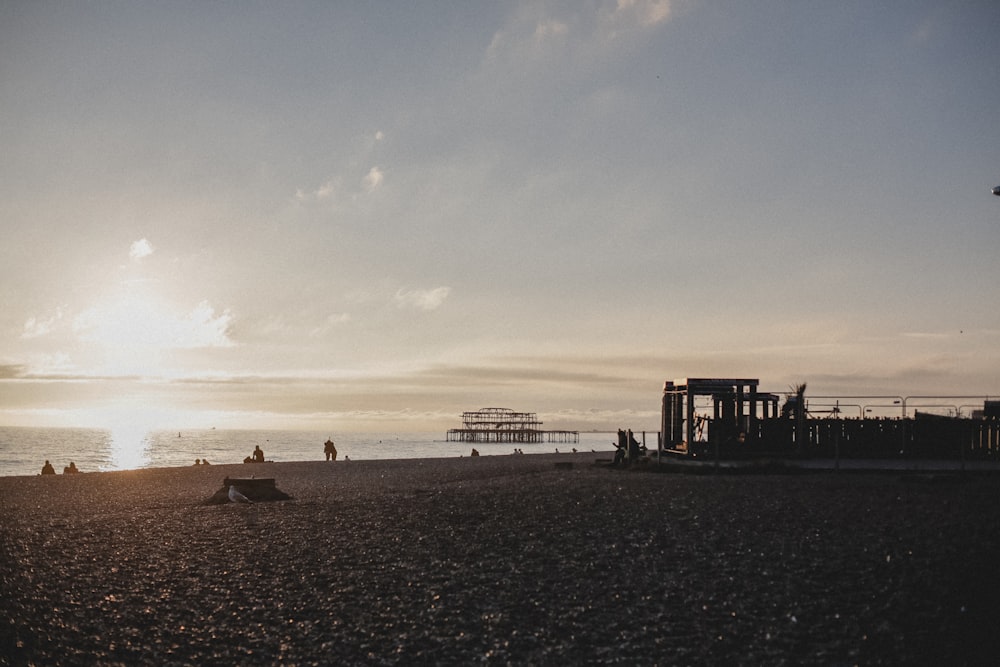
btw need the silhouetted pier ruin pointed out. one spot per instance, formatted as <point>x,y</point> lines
<point>504,425</point>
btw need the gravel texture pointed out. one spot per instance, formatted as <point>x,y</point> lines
<point>533,559</point>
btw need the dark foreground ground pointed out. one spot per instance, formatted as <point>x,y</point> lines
<point>500,560</point>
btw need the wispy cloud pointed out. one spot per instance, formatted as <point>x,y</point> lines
<point>11,371</point>
<point>373,179</point>
<point>550,28</point>
<point>645,13</point>
<point>537,30</point>
<point>333,190</point>
<point>326,190</point>
<point>331,321</point>
<point>38,328</point>
<point>422,299</point>
<point>926,334</point>
<point>140,250</point>
<point>323,192</point>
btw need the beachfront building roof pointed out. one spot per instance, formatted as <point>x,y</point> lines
<point>505,425</point>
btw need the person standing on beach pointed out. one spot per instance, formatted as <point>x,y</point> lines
<point>258,454</point>
<point>330,450</point>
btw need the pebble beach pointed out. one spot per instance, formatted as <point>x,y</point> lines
<point>544,559</point>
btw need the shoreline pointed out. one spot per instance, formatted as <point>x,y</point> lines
<point>679,465</point>
<point>496,559</point>
<point>252,468</point>
<point>23,454</point>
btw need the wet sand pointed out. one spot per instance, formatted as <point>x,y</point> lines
<point>533,559</point>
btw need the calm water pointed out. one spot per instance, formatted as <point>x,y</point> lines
<point>24,450</point>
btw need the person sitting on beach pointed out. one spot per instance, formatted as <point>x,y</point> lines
<point>475,452</point>
<point>204,462</point>
<point>620,447</point>
<point>71,469</point>
<point>330,449</point>
<point>258,454</point>
<point>197,462</point>
<point>47,469</point>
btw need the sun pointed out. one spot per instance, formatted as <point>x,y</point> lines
<point>134,330</point>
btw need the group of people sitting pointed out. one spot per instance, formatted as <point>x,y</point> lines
<point>71,469</point>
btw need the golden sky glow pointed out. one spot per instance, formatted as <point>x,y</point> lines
<point>381,216</point>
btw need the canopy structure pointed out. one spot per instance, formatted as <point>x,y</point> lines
<point>735,404</point>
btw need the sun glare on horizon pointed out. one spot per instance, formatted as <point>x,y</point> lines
<point>133,330</point>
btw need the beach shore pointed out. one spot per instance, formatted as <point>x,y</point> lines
<point>530,559</point>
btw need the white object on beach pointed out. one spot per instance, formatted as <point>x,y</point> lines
<point>237,497</point>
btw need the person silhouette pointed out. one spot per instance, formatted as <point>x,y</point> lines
<point>330,449</point>
<point>258,454</point>
<point>47,469</point>
<point>71,469</point>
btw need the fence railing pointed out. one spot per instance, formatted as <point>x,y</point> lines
<point>921,437</point>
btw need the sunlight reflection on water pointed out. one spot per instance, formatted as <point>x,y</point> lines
<point>129,444</point>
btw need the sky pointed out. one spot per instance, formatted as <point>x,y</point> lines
<point>376,216</point>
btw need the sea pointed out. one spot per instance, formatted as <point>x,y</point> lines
<point>23,450</point>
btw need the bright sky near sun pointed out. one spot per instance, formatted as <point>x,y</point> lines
<point>379,215</point>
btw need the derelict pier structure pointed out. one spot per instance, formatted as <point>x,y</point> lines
<point>504,425</point>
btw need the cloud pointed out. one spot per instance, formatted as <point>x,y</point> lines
<point>331,321</point>
<point>429,299</point>
<point>11,371</point>
<point>373,180</point>
<point>646,13</point>
<point>326,190</point>
<point>136,323</point>
<point>203,328</point>
<point>36,328</point>
<point>323,192</point>
<point>926,335</point>
<point>140,250</point>
<point>528,35</point>
<point>338,318</point>
<point>537,32</point>
<point>331,189</point>
<point>550,28</point>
